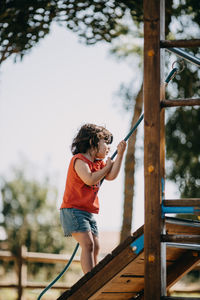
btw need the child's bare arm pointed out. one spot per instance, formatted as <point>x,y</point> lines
<point>89,178</point>
<point>117,163</point>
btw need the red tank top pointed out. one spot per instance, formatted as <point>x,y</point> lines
<point>77,194</point>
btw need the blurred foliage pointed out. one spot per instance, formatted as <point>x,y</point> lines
<point>183,146</point>
<point>182,126</point>
<point>24,23</point>
<point>182,132</point>
<point>29,215</point>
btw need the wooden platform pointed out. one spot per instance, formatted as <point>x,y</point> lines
<point>120,275</point>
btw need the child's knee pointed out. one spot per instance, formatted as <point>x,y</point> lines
<point>89,245</point>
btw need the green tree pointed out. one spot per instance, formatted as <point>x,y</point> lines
<point>29,216</point>
<point>24,23</point>
<point>182,132</point>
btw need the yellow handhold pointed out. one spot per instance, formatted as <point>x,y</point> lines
<point>151,258</point>
<point>151,53</point>
<point>150,168</point>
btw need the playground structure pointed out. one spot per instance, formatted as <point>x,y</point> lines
<point>164,249</point>
<point>120,275</point>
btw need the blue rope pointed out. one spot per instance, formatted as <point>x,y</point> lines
<point>61,274</point>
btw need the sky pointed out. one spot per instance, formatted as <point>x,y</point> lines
<point>45,98</point>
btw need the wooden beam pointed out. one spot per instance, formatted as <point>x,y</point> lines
<point>180,43</point>
<point>39,257</point>
<point>91,283</point>
<point>7,255</point>
<point>181,238</point>
<point>181,202</point>
<point>152,226</point>
<point>180,102</point>
<point>49,258</point>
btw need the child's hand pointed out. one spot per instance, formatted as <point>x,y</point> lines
<point>121,147</point>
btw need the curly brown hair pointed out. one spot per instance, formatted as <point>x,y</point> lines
<point>88,137</point>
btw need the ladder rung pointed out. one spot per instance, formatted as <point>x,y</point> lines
<point>180,43</point>
<point>180,102</point>
<point>181,238</point>
<point>182,202</point>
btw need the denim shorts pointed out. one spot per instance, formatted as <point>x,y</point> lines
<point>76,220</point>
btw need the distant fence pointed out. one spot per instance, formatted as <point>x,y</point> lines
<point>21,268</point>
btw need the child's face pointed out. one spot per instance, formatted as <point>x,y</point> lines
<point>103,149</point>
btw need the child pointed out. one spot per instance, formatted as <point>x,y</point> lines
<point>80,200</point>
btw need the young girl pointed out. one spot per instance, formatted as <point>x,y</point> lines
<point>80,200</point>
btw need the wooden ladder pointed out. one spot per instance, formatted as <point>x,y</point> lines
<point>156,238</point>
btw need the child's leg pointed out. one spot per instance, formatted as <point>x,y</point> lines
<point>96,248</point>
<point>86,241</point>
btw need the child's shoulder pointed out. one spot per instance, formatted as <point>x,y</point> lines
<point>79,156</point>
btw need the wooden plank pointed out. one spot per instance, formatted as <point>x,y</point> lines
<point>49,258</point>
<point>133,270</point>
<point>180,43</point>
<point>181,202</point>
<point>33,285</point>
<point>39,257</point>
<point>114,266</point>
<point>117,296</point>
<point>152,227</point>
<point>180,229</point>
<point>130,279</point>
<point>180,102</point>
<point>131,284</point>
<point>7,255</point>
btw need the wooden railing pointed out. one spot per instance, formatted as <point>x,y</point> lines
<point>21,264</point>
<point>21,268</point>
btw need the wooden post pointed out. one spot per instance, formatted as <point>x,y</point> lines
<point>152,174</point>
<point>21,271</point>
